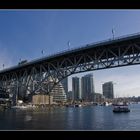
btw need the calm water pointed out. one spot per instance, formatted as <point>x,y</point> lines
<point>84,118</point>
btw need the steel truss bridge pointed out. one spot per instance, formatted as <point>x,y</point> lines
<point>43,74</point>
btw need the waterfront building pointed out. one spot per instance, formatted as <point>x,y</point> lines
<point>75,88</point>
<point>65,84</point>
<point>42,99</point>
<point>108,91</point>
<point>87,87</point>
<point>98,97</point>
<point>58,93</point>
<point>4,98</point>
<point>69,96</point>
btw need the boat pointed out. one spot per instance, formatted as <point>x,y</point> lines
<point>23,107</point>
<point>94,104</point>
<point>121,107</point>
<point>106,104</point>
<point>74,105</point>
<point>19,107</point>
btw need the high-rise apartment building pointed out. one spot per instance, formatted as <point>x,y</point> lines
<point>69,96</point>
<point>108,91</point>
<point>75,88</point>
<point>65,84</point>
<point>87,87</point>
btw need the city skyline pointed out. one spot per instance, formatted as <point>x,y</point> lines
<point>31,34</point>
<point>125,84</point>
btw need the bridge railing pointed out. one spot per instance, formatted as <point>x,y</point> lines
<point>92,44</point>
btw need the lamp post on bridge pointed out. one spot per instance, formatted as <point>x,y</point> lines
<point>3,66</point>
<point>20,60</point>
<point>42,52</point>
<point>68,45</point>
<point>113,33</point>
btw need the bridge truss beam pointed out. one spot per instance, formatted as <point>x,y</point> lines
<point>44,76</point>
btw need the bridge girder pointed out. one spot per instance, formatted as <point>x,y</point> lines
<point>39,78</point>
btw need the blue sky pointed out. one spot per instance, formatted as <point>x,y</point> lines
<point>24,33</point>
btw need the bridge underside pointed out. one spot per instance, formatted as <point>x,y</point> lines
<point>42,77</point>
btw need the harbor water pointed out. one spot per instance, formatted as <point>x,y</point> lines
<point>70,118</point>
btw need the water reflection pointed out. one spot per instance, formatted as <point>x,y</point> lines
<point>28,118</point>
<point>65,118</point>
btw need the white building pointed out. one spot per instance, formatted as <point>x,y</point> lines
<point>58,92</point>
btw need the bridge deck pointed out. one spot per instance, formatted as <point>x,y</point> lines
<point>74,51</point>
